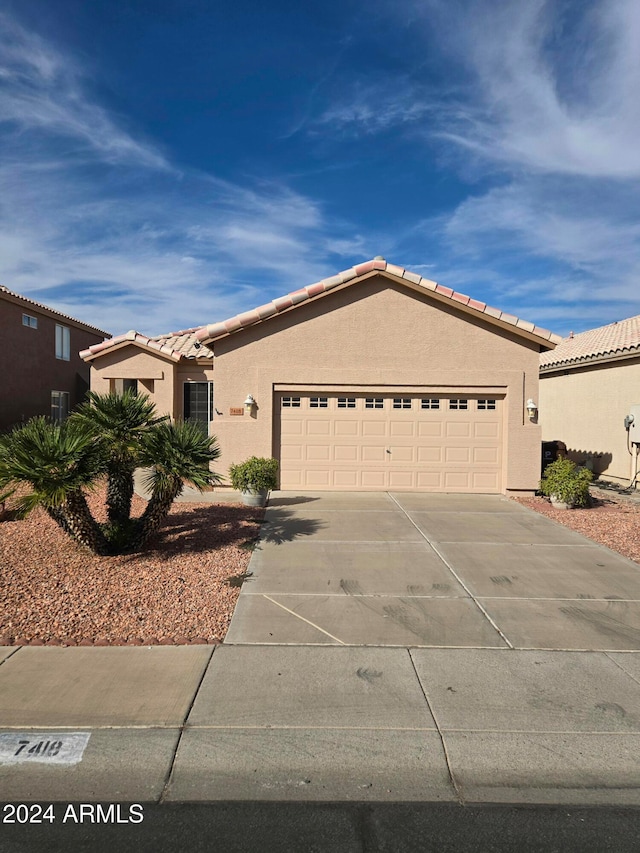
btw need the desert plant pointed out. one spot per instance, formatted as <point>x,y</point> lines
<point>59,462</point>
<point>567,482</point>
<point>257,474</point>
<point>175,454</point>
<point>120,421</point>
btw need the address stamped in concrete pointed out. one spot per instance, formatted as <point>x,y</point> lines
<point>43,747</point>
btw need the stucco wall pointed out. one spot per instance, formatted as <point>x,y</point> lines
<point>130,362</point>
<point>375,333</point>
<point>586,408</point>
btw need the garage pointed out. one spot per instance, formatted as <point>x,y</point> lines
<point>376,440</point>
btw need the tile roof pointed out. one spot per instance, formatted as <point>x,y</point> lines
<point>24,300</point>
<point>304,294</point>
<point>616,339</point>
<point>175,345</point>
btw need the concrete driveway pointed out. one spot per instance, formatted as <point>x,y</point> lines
<point>427,570</point>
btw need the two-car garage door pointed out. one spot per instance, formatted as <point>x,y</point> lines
<point>370,441</point>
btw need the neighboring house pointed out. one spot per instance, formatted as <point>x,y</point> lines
<point>373,379</point>
<point>587,386</point>
<point>41,372</point>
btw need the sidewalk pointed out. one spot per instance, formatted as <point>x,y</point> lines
<point>297,723</point>
<point>453,671</point>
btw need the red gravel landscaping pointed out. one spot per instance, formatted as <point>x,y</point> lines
<point>182,588</point>
<point>611,521</point>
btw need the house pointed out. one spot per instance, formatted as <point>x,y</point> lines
<point>42,373</point>
<point>587,386</point>
<point>373,379</point>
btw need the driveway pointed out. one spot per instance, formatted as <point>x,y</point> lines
<point>427,570</point>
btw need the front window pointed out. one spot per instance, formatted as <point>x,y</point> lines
<point>28,320</point>
<point>63,343</point>
<point>122,385</point>
<point>59,406</point>
<point>198,403</point>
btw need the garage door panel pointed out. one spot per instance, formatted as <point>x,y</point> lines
<point>346,428</point>
<point>373,453</point>
<point>429,455</point>
<point>392,443</point>
<point>401,480</point>
<point>402,454</point>
<point>292,427</point>
<point>488,455</point>
<point>486,430</point>
<point>346,453</point>
<point>485,481</point>
<point>319,427</point>
<point>346,479</point>
<point>318,478</point>
<point>318,453</point>
<point>401,428</point>
<point>292,452</point>
<point>456,429</point>
<point>429,429</point>
<point>456,481</point>
<point>374,429</point>
<point>457,454</point>
<point>374,479</point>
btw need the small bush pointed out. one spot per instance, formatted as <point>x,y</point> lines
<point>567,482</point>
<point>257,474</point>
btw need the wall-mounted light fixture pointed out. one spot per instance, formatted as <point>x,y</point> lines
<point>532,409</point>
<point>249,403</point>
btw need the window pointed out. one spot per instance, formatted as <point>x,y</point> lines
<point>402,402</point>
<point>122,385</point>
<point>373,403</point>
<point>486,404</point>
<point>430,403</point>
<point>59,406</point>
<point>346,402</point>
<point>318,402</point>
<point>198,404</point>
<point>63,343</point>
<point>458,403</point>
<point>291,402</point>
<point>28,320</point>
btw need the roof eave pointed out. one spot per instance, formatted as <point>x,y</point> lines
<point>541,337</point>
<point>90,355</point>
<point>584,361</point>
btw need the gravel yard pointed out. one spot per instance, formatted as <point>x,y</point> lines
<point>613,520</point>
<point>182,588</point>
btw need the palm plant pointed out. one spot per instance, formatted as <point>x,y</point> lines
<point>58,462</point>
<point>176,453</point>
<point>121,421</point>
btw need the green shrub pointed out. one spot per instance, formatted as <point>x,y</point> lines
<point>256,474</point>
<point>566,481</point>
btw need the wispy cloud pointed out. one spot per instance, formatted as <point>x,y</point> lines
<point>100,223</point>
<point>42,95</point>
<point>554,84</point>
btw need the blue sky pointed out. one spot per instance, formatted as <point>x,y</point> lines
<point>168,163</point>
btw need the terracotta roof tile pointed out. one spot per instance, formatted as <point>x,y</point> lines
<point>176,345</point>
<point>24,300</point>
<point>595,344</point>
<point>303,294</point>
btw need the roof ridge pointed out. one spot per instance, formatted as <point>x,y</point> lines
<point>619,336</point>
<point>29,301</point>
<point>284,303</point>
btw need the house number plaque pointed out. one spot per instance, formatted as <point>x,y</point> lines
<point>236,411</point>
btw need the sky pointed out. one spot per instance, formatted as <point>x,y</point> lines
<point>169,163</point>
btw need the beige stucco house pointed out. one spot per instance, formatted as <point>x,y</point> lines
<point>588,385</point>
<point>40,370</point>
<point>373,379</point>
